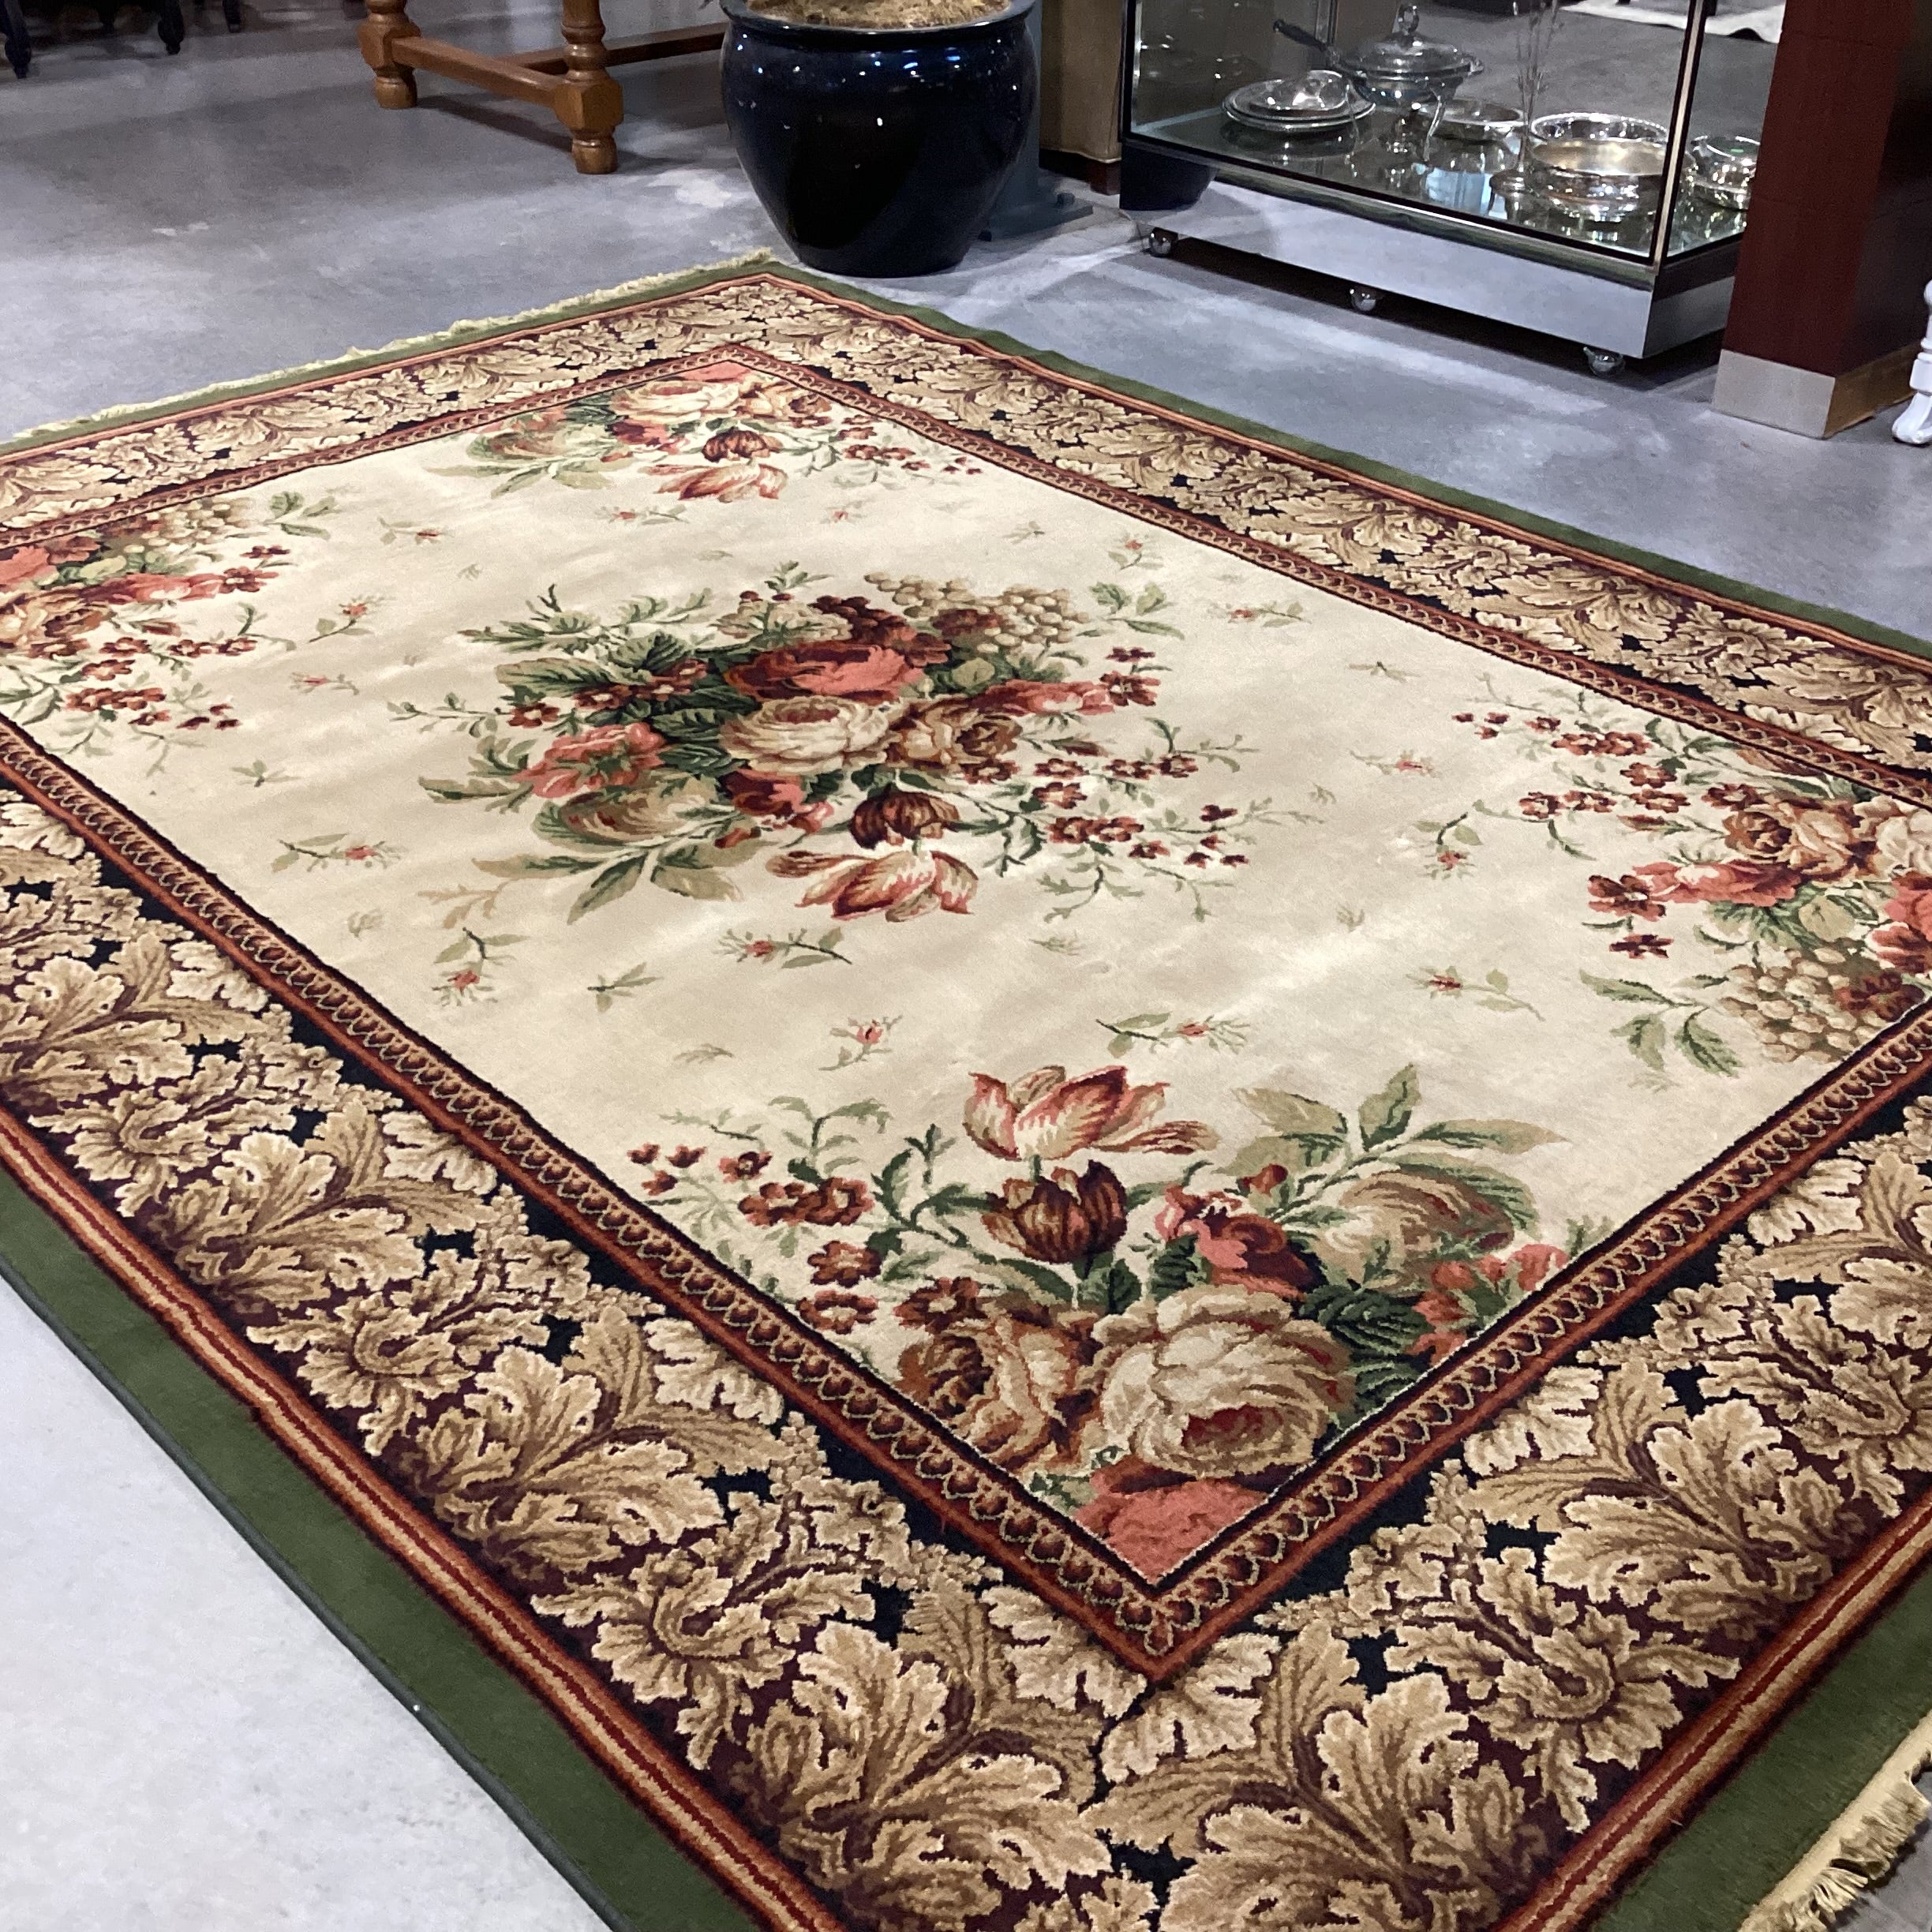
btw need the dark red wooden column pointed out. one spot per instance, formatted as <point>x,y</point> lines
<point>1829,306</point>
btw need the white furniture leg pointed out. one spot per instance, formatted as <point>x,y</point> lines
<point>1914,423</point>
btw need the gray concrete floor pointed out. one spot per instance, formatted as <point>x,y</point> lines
<point>182,1746</point>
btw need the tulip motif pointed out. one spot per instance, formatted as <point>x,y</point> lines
<point>902,882</point>
<point>1047,1117</point>
<point>1067,1221</point>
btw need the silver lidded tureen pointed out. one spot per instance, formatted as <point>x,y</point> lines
<point>1405,71</point>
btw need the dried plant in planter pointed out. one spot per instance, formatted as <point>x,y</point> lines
<point>880,13</point>
<point>1536,34</point>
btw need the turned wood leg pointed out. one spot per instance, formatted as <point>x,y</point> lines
<point>231,13</point>
<point>172,29</point>
<point>14,36</point>
<point>388,22</point>
<point>588,101</point>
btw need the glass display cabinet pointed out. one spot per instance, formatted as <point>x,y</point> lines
<point>1581,169</point>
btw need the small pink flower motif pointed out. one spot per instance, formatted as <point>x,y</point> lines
<point>868,1032</point>
<point>1449,858</point>
<point>352,611</point>
<point>359,853</point>
<point>463,979</point>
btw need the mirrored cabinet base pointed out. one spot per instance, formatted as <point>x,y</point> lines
<point>1580,169</point>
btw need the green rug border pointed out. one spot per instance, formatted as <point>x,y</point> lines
<point>500,1732</point>
<point>763,262</point>
<point>1740,1843</point>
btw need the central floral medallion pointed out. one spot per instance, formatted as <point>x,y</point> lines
<point>677,741</point>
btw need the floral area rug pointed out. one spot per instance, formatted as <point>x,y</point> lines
<point>1090,1178</point>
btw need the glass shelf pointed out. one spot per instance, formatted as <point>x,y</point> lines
<point>1189,55</point>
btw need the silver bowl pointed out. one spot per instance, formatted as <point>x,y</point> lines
<point>1481,123</point>
<point>1322,103</point>
<point>1603,165</point>
<point>1722,168</point>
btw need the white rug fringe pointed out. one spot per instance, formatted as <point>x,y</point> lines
<point>1861,1850</point>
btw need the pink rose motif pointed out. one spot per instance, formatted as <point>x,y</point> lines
<point>17,566</point>
<point>1732,882</point>
<point>1243,1248</point>
<point>146,587</point>
<point>609,757</point>
<point>1037,697</point>
<point>1154,1522</point>
<point>833,668</point>
<point>1045,1116</point>
<point>766,795</point>
<point>1910,902</point>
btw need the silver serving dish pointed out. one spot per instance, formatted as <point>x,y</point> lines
<point>1405,71</point>
<point>1480,122</point>
<point>1722,168</point>
<point>1605,166</point>
<point>1322,103</point>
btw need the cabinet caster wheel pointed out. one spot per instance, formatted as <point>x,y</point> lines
<point>1603,362</point>
<point>1364,301</point>
<point>1159,242</point>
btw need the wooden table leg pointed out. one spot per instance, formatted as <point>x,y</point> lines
<point>14,36</point>
<point>589,102</point>
<point>171,27</point>
<point>388,21</point>
<point>572,81</point>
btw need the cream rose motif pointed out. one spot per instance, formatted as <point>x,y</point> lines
<point>1219,1381</point>
<point>799,736</point>
<point>1903,839</point>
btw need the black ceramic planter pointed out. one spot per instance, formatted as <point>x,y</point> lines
<point>878,150</point>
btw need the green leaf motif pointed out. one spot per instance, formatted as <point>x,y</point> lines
<point>1294,1116</point>
<point>453,791</point>
<point>1275,1150</point>
<point>1506,1136</point>
<point>892,1178</point>
<point>611,883</point>
<point>526,865</point>
<point>1178,1266</point>
<point>1702,1047</point>
<point>1644,1036</point>
<point>1633,991</point>
<point>1041,1280</point>
<point>1385,1116</point>
<point>1374,1326</point>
